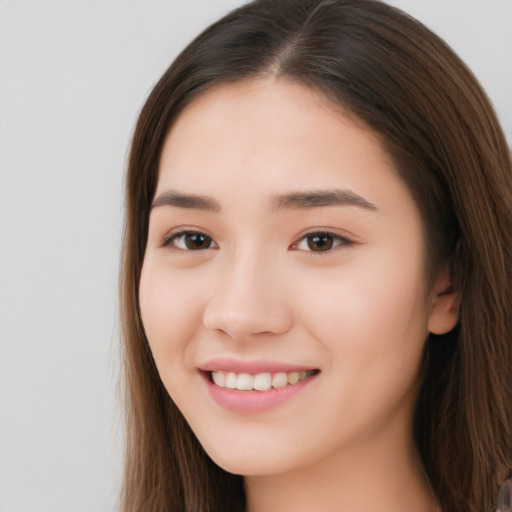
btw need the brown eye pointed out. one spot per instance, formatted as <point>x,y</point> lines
<point>321,242</point>
<point>191,241</point>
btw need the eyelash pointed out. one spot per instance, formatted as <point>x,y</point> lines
<point>335,240</point>
<point>172,240</point>
<point>332,240</point>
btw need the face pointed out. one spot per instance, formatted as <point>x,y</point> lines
<point>282,290</point>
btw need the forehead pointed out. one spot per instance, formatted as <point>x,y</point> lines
<point>272,136</point>
<point>264,108</point>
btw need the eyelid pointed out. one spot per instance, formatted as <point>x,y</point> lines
<point>171,236</point>
<point>342,241</point>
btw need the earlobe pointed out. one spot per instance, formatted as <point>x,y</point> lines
<point>444,311</point>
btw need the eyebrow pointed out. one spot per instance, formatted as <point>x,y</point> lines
<point>315,198</point>
<point>198,202</point>
<point>293,200</point>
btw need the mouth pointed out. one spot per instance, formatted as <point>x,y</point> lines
<point>255,388</point>
<point>262,382</point>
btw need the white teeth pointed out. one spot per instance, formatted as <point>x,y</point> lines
<point>219,378</point>
<point>260,382</point>
<point>244,382</point>
<point>279,380</point>
<point>293,378</point>
<point>230,382</point>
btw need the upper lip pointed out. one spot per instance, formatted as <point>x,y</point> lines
<point>254,366</point>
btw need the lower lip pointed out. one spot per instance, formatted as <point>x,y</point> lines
<point>251,402</point>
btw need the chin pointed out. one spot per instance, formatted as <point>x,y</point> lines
<point>260,458</point>
<point>244,461</point>
<point>245,467</point>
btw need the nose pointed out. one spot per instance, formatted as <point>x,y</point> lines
<point>248,300</point>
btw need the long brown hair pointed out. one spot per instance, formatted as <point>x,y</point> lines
<point>439,127</point>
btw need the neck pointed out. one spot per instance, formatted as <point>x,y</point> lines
<point>382,475</point>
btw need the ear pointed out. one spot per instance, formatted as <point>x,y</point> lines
<point>444,309</point>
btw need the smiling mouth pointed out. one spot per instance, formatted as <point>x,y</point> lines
<point>264,381</point>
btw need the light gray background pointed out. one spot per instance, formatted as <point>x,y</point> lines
<point>73,76</point>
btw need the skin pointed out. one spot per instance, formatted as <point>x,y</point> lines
<point>359,312</point>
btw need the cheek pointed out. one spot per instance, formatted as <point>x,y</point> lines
<point>375,340</point>
<point>372,320</point>
<point>170,310</point>
<point>380,299</point>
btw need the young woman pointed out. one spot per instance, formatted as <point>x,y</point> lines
<point>316,275</point>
